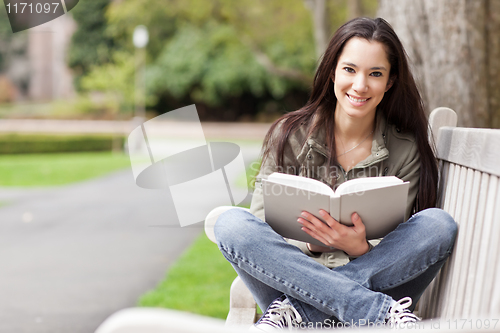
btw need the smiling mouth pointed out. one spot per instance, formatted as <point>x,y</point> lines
<point>357,100</point>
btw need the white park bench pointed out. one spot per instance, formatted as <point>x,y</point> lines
<point>465,294</point>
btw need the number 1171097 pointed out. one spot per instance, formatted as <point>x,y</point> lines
<point>31,8</point>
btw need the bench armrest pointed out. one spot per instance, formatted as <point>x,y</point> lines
<point>212,218</point>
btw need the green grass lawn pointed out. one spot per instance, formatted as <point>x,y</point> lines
<point>198,282</point>
<point>36,170</point>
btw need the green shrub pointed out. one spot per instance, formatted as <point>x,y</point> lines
<point>34,143</point>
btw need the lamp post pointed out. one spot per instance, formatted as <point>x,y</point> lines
<point>140,39</point>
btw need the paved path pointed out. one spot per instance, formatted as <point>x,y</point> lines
<point>248,131</point>
<point>73,255</point>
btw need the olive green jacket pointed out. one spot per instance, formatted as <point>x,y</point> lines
<point>393,154</point>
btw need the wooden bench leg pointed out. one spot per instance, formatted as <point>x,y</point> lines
<point>242,306</point>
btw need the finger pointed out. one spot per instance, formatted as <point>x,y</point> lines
<point>316,228</point>
<point>316,236</point>
<point>357,222</point>
<point>312,219</point>
<point>308,216</point>
<point>322,233</point>
<point>332,223</point>
<point>306,223</point>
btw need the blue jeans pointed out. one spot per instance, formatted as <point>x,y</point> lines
<point>403,264</point>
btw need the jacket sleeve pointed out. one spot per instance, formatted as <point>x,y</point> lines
<point>257,204</point>
<point>269,166</point>
<point>410,171</point>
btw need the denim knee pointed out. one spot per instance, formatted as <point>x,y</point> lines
<point>232,225</point>
<point>440,226</point>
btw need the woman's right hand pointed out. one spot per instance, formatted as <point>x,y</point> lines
<point>350,239</point>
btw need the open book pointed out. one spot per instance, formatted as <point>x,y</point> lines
<point>379,201</point>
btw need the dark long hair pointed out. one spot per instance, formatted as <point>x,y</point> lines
<point>401,105</point>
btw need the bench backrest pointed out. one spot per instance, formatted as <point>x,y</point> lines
<point>468,286</point>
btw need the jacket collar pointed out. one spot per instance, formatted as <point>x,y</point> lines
<point>317,140</point>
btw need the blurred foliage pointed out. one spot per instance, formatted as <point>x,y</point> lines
<point>206,52</point>
<point>90,44</point>
<point>95,105</point>
<point>5,33</point>
<point>369,7</point>
<point>210,64</point>
<point>115,78</point>
<point>13,47</point>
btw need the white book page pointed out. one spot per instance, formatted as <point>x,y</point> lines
<point>367,183</point>
<point>304,183</point>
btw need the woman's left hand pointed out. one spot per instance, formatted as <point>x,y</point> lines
<point>350,239</point>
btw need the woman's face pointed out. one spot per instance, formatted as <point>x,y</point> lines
<point>361,77</point>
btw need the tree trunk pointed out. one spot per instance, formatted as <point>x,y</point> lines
<point>493,65</point>
<point>454,47</point>
<point>320,24</point>
<point>354,9</point>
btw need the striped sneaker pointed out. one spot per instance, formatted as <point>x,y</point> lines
<point>399,315</point>
<point>280,315</point>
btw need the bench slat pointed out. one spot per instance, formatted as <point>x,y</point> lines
<point>472,274</point>
<point>490,251</point>
<point>475,148</point>
<point>459,263</point>
<point>438,298</point>
<point>495,302</point>
<point>466,235</point>
<point>443,182</point>
<point>484,247</point>
<point>456,200</point>
<point>449,187</point>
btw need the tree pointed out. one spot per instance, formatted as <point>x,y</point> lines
<point>319,12</point>
<point>454,47</point>
<point>323,21</point>
<point>90,45</point>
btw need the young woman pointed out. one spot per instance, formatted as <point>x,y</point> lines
<point>364,118</point>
